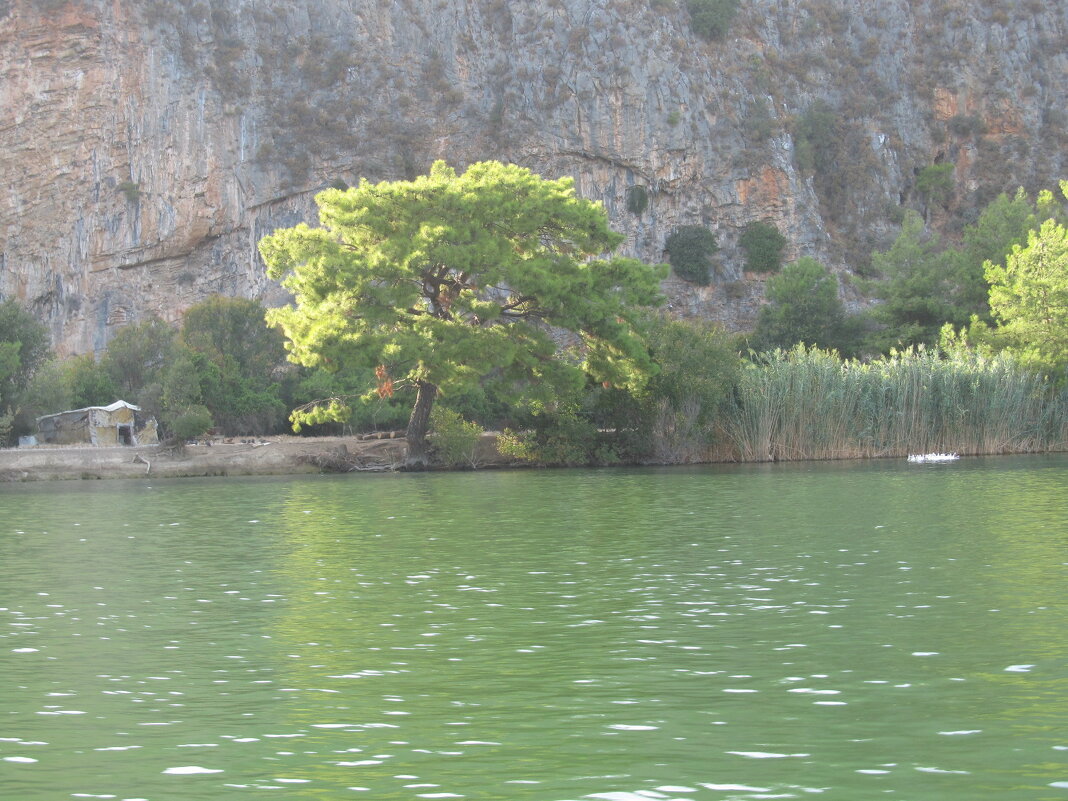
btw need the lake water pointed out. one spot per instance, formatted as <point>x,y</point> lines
<point>842,631</point>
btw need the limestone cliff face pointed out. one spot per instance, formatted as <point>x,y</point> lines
<point>146,145</point>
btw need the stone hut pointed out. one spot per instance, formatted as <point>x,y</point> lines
<point>121,423</point>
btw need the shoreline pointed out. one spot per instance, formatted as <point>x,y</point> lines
<point>282,455</point>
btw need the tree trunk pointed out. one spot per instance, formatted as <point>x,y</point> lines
<point>418,457</point>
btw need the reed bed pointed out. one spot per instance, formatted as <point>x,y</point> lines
<point>811,404</point>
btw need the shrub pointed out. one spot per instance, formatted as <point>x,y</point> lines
<point>683,402</point>
<point>561,438</point>
<point>935,182</point>
<point>454,440</point>
<point>763,246</point>
<point>814,137</point>
<point>131,190</point>
<point>637,199</point>
<point>190,423</point>
<point>966,125</point>
<point>690,249</point>
<point>710,19</point>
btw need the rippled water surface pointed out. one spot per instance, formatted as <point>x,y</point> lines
<point>843,631</point>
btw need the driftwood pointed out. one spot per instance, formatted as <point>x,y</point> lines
<point>341,460</point>
<point>139,459</point>
<point>383,435</point>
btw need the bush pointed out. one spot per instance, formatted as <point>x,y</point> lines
<point>683,403</point>
<point>190,423</point>
<point>763,246</point>
<point>935,182</point>
<point>710,19</point>
<point>637,199</point>
<point>561,437</point>
<point>690,249</point>
<point>814,138</point>
<point>453,439</point>
<point>131,190</point>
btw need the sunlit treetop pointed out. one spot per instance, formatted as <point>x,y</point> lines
<point>448,277</point>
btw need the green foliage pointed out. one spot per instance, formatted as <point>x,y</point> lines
<point>918,288</point>
<point>1029,299</point>
<point>815,134</point>
<point>966,125</point>
<point>235,361</point>
<point>690,249</point>
<point>804,307</point>
<point>27,347</point>
<point>710,19</point>
<point>681,409</point>
<point>48,391</point>
<point>935,183</point>
<point>454,440</point>
<point>759,125</point>
<point>448,278</point>
<point>89,382</point>
<point>23,349</point>
<point>191,423</point>
<point>561,436</point>
<point>1003,224</point>
<point>9,359</point>
<point>327,402</point>
<point>637,199</point>
<point>131,190</point>
<point>137,359</point>
<point>181,386</point>
<point>763,246</point>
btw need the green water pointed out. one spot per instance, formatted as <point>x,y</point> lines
<point>843,631</point>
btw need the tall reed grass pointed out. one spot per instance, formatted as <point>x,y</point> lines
<point>811,404</point>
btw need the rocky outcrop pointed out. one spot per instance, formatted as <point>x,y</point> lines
<point>146,147</point>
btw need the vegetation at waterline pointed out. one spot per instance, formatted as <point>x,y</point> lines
<point>682,391</point>
<point>23,347</point>
<point>449,279</point>
<point>811,404</point>
<point>221,368</point>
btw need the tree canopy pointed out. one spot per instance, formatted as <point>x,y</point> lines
<point>440,281</point>
<point>918,288</point>
<point>803,307</point>
<point>24,347</point>
<point>1029,298</point>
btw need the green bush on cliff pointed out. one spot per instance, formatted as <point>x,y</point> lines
<point>710,19</point>
<point>763,246</point>
<point>690,249</point>
<point>637,199</point>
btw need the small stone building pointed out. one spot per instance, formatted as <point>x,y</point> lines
<point>121,423</point>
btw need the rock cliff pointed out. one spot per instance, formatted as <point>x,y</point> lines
<point>146,145</point>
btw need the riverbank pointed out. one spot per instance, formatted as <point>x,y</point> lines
<point>284,455</point>
<point>278,456</point>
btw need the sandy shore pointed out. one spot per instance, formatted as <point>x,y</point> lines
<point>277,456</point>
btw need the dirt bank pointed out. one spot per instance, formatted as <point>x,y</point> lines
<point>278,456</point>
